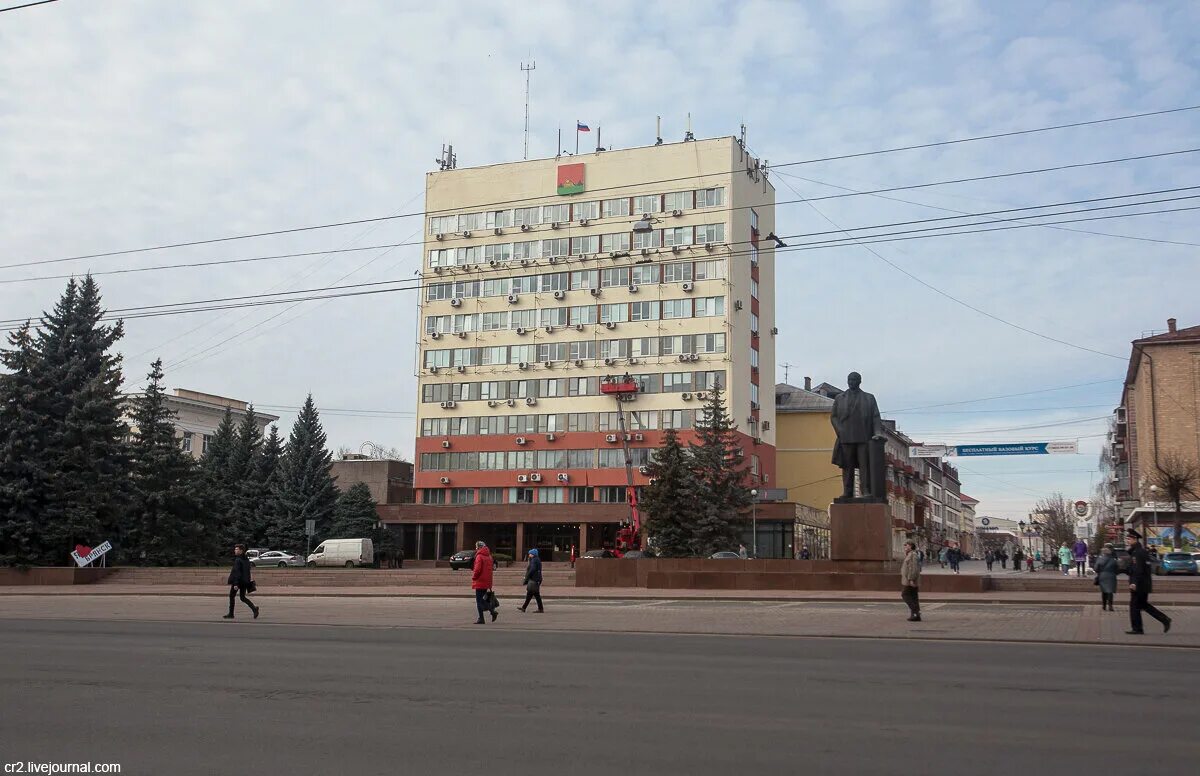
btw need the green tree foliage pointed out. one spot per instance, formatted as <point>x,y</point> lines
<point>670,501</point>
<point>24,479</point>
<point>246,520</point>
<point>354,515</point>
<point>306,490</point>
<point>720,470</point>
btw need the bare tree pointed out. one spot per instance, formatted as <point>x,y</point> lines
<point>1177,477</point>
<point>1058,523</point>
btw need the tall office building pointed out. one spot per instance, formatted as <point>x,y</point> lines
<point>543,277</point>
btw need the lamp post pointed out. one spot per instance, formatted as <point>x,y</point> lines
<point>754,519</point>
<point>1154,495</point>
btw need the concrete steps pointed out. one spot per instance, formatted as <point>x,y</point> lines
<point>319,577</point>
<point>1056,583</point>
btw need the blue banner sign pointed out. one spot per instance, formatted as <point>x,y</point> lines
<point>1018,448</point>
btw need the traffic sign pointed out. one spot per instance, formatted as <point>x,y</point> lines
<point>310,527</point>
<point>1017,448</point>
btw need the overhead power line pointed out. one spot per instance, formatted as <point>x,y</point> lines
<point>293,230</point>
<point>27,5</point>
<point>1004,396</point>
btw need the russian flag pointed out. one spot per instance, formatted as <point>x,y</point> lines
<point>581,127</point>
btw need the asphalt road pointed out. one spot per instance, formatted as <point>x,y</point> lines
<point>212,698</point>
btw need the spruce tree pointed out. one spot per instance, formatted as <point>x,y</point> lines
<point>25,480</point>
<point>245,518</point>
<point>163,519</point>
<point>669,502</point>
<point>306,490</point>
<point>354,515</point>
<point>266,477</point>
<point>720,469</point>
<point>214,490</point>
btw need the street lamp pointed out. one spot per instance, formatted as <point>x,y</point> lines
<point>1154,495</point>
<point>754,519</point>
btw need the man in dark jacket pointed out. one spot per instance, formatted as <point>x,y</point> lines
<point>1139,586</point>
<point>533,581</point>
<point>240,578</point>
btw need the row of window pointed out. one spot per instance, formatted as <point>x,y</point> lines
<point>552,388</point>
<point>549,462</point>
<point>471,255</point>
<point>562,422</point>
<point>578,315</point>
<point>186,441</point>
<point>579,280</point>
<point>689,199</point>
<point>583,494</point>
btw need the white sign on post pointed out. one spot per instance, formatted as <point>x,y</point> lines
<point>927,451</point>
<point>96,553</point>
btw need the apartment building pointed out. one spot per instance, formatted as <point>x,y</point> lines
<point>197,416</point>
<point>544,277</point>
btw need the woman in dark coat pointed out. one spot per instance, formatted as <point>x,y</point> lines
<point>533,581</point>
<point>241,578</point>
<point>1106,577</point>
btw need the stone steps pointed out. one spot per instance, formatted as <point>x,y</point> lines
<point>1056,583</point>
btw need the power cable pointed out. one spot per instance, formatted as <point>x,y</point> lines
<point>26,5</point>
<point>1004,396</point>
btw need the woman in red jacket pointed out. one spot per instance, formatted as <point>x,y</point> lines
<point>481,581</point>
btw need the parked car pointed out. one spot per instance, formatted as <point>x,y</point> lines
<point>277,558</point>
<point>254,552</point>
<point>725,555</point>
<point>599,554</point>
<point>635,554</point>
<point>466,560</point>
<point>343,552</point>
<point>1177,563</point>
<point>1122,556</point>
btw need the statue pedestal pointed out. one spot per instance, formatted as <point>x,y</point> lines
<point>860,532</point>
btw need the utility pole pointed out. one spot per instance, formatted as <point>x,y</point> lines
<point>527,71</point>
<point>786,367</point>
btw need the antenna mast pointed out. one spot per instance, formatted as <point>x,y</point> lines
<point>786,366</point>
<point>527,71</point>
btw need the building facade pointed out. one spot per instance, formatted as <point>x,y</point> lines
<point>197,416</point>
<point>544,277</point>
<point>804,441</point>
<point>389,480</point>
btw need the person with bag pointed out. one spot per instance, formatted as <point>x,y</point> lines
<point>241,581</point>
<point>910,581</point>
<point>533,582</point>
<point>481,582</point>
<point>1106,577</point>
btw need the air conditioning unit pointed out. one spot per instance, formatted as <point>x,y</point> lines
<point>701,395</point>
<point>560,295</point>
<point>494,262</point>
<point>497,230</point>
<point>522,478</point>
<point>523,365</point>
<point>549,364</point>
<point>676,249</point>
<point>550,437</point>
<point>564,478</point>
<point>610,362</point>
<point>754,333</point>
<point>446,443</point>
<point>511,402</point>
<point>579,362</point>
<point>766,477</point>
<point>686,396</point>
<point>633,289</point>
<point>610,438</point>
<point>535,477</point>
<point>435,335</point>
<point>461,368</point>
<point>448,405</point>
<point>644,470</point>
<point>525,262</point>
<point>766,424</point>
<point>594,292</point>
<point>439,236</point>
<point>737,305</point>
<point>645,251</point>
<point>460,334</point>
<point>493,403</point>
<point>513,298</point>
<point>521,331</point>
<point>433,370</point>
<point>583,222</point>
<point>555,225</point>
<point>444,480</point>
<point>583,257</point>
<point>677,213</point>
<point>530,401</point>
<point>689,286</point>
<point>579,327</point>
<point>753,406</point>
<point>774,330</point>
<point>639,437</point>
<point>467,233</point>
<point>526,227</point>
<point>693,356</point>
<point>553,259</point>
<point>438,270</point>
<point>683,356</point>
<point>549,329</point>
<point>521,440</point>
<point>633,361</point>
<point>709,247</point>
<point>610,324</point>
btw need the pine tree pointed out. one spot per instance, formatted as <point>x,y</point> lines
<point>720,470</point>
<point>24,479</point>
<point>306,490</point>
<point>245,518</point>
<point>669,501</point>
<point>214,490</point>
<point>164,515</point>
<point>354,515</point>
<point>266,477</point>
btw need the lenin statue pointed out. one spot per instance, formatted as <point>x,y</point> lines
<point>856,420</point>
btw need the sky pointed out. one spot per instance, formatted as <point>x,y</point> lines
<point>128,124</point>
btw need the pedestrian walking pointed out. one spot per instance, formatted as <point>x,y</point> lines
<point>1003,560</point>
<point>1029,563</point>
<point>533,582</point>
<point>1106,577</point>
<point>573,556</point>
<point>954,557</point>
<point>399,557</point>
<point>481,581</point>
<point>1064,559</point>
<point>241,581</point>
<point>1017,556</point>
<point>989,558</point>
<point>942,557</point>
<point>910,581</point>
<point>1139,586</point>
<point>805,553</point>
<point>1080,551</point>
<point>742,552</point>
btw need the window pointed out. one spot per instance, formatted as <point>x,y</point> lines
<point>615,207</point>
<point>583,315</point>
<point>462,496</point>
<point>557,247</point>
<point>521,354</point>
<point>519,459</point>
<point>433,496</point>
<point>753,255</point>
<point>609,421</point>
<point>754,463</point>
<point>583,279</point>
<point>614,348</point>
<point>582,349</point>
<point>466,322</point>
<point>555,281</point>
<point>436,393</point>
<point>710,233</point>
<point>523,319</point>
<point>677,382</point>
<point>466,356</point>
<point>581,386</point>
<point>754,357</point>
<point>502,252</point>
<point>492,389</point>
<point>753,393</point>
<point>680,235</point>
<point>437,291</point>
<point>494,321</point>
<point>552,214</point>
<point>677,419</point>
<point>753,288</point>
<point>437,323</point>
<point>710,270</point>
<point>527,216</point>
<point>550,496</point>
<point>437,358</point>
<point>753,323</point>
<point>612,495</point>
<point>520,495</point>
<point>710,306</point>
<point>643,311</point>
<point>583,210</point>
<point>706,381</point>
<point>442,224</point>
<point>678,200</point>
<point>185,443</point>
<point>495,356</point>
<point>581,421</point>
<point>551,459</point>
<point>645,273</point>
<point>651,239</point>
<point>614,277</point>
<point>651,203</point>
<point>466,289</point>
<point>645,420</point>
<point>677,273</point>
<point>552,351</point>
<point>710,197</point>
<point>677,308</point>
<point>643,347</point>
<point>491,495</point>
<point>611,243</point>
<point>710,343</point>
<point>670,346</point>
<point>585,245</point>
<point>443,257</point>
<point>554,316</point>
<point>525,284</point>
<point>527,250</point>
<point>498,219</point>
<point>581,459</point>
<point>468,221</point>
<point>496,287</point>
<point>582,495</point>
<point>754,219</point>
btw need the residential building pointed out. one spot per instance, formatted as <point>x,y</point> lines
<point>1158,420</point>
<point>389,480</point>
<point>967,534</point>
<point>942,489</point>
<point>197,416</point>
<point>542,278</point>
<point>804,439</point>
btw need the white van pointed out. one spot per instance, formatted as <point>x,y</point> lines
<point>343,552</point>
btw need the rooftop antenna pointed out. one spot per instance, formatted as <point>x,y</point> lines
<point>786,366</point>
<point>688,136</point>
<point>447,161</point>
<point>527,71</point>
<point>742,139</point>
<point>658,131</point>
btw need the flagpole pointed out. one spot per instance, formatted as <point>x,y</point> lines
<point>558,148</point>
<point>577,137</point>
